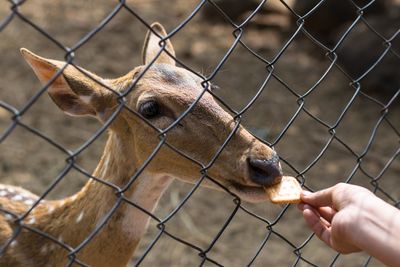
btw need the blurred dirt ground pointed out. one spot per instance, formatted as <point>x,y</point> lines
<point>32,163</point>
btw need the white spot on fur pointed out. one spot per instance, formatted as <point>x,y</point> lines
<point>50,209</point>
<point>43,250</point>
<point>25,194</point>
<point>73,198</point>
<point>32,220</point>
<point>13,243</point>
<point>8,217</point>
<point>3,193</point>
<point>80,216</point>
<point>29,202</point>
<point>86,98</point>
<point>17,198</point>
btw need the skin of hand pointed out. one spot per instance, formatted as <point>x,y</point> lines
<point>350,218</point>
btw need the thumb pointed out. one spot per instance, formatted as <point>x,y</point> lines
<point>318,199</point>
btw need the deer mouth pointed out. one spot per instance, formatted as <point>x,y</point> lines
<point>248,193</point>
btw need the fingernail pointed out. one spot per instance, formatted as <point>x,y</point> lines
<point>305,193</point>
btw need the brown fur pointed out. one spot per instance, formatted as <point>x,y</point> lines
<point>130,142</point>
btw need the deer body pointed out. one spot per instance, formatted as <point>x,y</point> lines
<point>245,166</point>
<point>72,219</point>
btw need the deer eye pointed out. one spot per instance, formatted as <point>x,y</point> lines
<point>149,109</point>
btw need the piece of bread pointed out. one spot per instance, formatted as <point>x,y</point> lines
<point>287,191</point>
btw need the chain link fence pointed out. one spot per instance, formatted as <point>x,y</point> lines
<point>366,94</point>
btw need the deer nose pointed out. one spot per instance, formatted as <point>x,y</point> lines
<point>265,172</point>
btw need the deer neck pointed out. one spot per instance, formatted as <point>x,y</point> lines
<point>120,235</point>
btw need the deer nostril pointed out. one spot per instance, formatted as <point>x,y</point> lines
<point>265,172</point>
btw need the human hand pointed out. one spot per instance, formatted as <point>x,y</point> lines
<point>335,214</point>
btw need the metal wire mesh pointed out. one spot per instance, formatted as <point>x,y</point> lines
<point>238,30</point>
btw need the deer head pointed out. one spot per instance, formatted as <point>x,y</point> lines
<point>160,95</point>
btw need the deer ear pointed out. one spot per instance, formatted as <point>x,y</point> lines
<point>73,91</point>
<point>151,46</point>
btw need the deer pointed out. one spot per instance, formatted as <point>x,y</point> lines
<point>164,91</point>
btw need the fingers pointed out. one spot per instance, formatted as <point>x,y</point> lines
<point>317,224</point>
<point>337,196</point>
<point>327,213</point>
<point>318,199</point>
